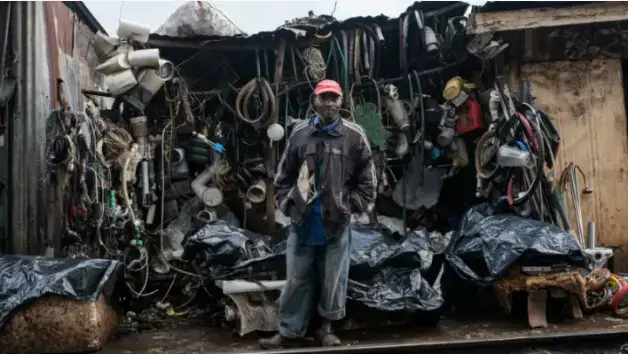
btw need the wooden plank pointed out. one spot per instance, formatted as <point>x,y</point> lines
<point>586,102</point>
<point>578,42</point>
<point>548,17</point>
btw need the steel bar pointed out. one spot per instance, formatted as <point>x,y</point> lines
<point>481,345</point>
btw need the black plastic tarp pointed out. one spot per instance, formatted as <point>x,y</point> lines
<point>385,274</point>
<point>487,244</point>
<point>26,278</point>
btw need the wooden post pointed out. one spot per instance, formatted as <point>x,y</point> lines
<point>271,156</point>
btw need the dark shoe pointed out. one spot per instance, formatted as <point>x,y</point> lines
<point>327,338</point>
<point>275,342</point>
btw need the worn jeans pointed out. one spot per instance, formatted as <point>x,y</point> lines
<point>330,263</point>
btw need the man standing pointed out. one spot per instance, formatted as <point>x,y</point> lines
<point>326,173</point>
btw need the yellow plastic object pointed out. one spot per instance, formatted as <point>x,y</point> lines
<point>171,312</point>
<point>614,283</point>
<point>453,88</point>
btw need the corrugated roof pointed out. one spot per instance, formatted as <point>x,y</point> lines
<point>429,8</point>
<point>86,16</point>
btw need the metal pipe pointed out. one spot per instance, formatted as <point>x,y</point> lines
<point>591,235</point>
<point>575,196</point>
<point>96,93</point>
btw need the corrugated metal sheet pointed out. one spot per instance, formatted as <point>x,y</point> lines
<point>27,128</point>
<point>72,57</point>
<point>51,43</point>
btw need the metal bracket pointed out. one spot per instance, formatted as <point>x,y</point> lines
<point>599,256</point>
<point>254,311</point>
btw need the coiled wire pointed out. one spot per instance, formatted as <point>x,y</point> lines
<point>114,143</point>
<point>315,68</point>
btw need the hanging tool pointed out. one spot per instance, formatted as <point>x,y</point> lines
<point>570,174</point>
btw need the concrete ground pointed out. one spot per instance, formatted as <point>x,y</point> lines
<point>450,334</point>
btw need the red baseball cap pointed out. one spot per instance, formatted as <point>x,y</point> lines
<point>328,86</point>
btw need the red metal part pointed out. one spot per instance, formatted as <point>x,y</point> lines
<point>473,119</point>
<point>619,304</point>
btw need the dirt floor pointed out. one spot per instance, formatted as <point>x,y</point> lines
<point>450,334</point>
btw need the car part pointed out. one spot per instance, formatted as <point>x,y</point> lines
<point>260,315</point>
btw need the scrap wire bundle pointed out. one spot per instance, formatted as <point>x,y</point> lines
<point>113,145</point>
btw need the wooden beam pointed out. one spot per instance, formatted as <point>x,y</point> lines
<point>548,17</point>
<point>579,42</point>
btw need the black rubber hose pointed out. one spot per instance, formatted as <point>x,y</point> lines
<point>417,78</point>
<point>244,98</point>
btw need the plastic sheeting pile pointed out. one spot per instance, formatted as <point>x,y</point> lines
<point>25,279</point>
<point>385,274</point>
<point>487,244</point>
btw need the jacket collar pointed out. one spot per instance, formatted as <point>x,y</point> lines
<point>334,130</point>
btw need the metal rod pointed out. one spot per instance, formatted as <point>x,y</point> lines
<point>591,235</point>
<point>5,42</point>
<point>423,345</point>
<point>575,194</point>
<point>96,93</point>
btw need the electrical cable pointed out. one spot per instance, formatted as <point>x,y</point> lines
<point>144,267</point>
<point>125,193</point>
<point>421,141</point>
<point>169,288</point>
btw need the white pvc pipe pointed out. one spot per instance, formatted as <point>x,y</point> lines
<point>114,65</point>
<point>148,58</point>
<point>243,286</point>
<point>134,31</point>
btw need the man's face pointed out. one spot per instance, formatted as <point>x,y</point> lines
<point>327,105</point>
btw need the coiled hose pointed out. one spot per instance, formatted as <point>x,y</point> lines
<point>268,102</point>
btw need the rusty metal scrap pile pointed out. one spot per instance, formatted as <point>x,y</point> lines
<point>175,180</point>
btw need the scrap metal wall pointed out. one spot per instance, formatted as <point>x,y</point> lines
<point>50,43</point>
<point>71,55</point>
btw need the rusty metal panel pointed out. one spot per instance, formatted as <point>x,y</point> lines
<point>71,55</point>
<point>50,43</point>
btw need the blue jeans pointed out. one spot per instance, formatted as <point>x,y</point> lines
<point>330,263</point>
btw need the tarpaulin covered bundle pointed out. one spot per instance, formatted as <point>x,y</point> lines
<point>26,278</point>
<point>198,18</point>
<point>487,244</point>
<point>385,273</point>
